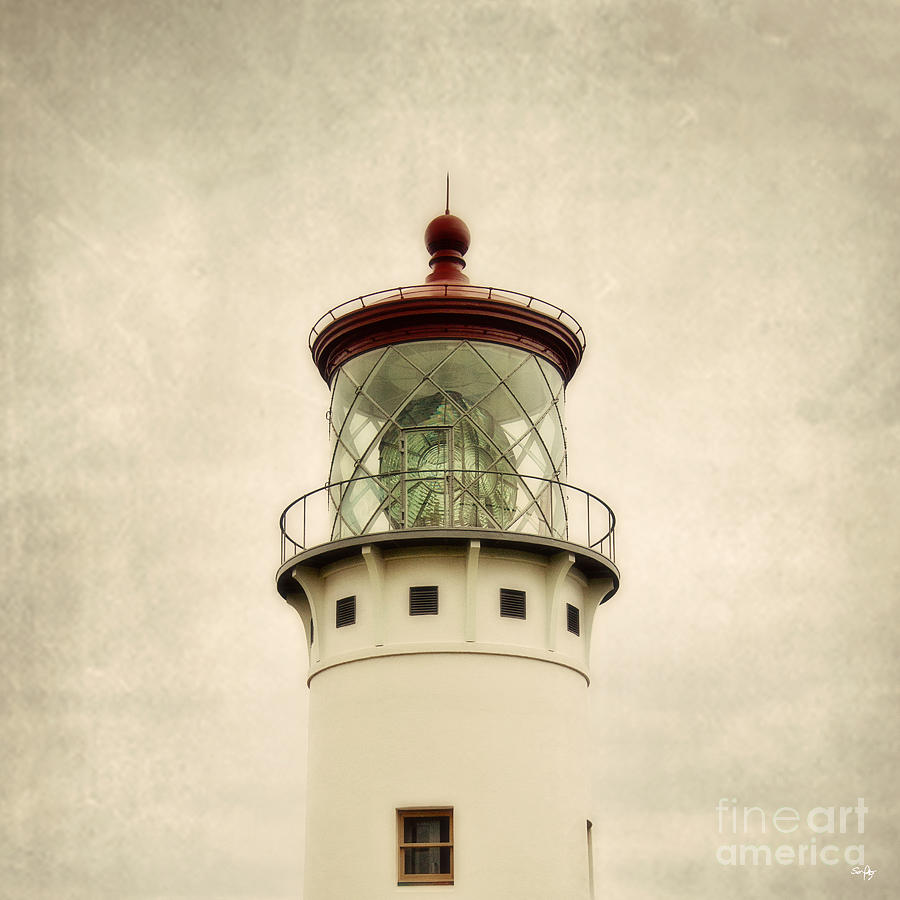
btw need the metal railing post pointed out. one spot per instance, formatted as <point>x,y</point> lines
<point>448,500</point>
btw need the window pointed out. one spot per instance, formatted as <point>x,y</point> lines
<point>512,603</point>
<point>423,601</point>
<point>312,631</point>
<point>425,842</point>
<point>573,619</point>
<point>345,612</point>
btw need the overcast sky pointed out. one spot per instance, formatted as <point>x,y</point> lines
<point>710,187</point>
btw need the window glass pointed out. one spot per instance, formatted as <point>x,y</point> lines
<point>552,374</point>
<point>392,382</point>
<point>343,464</point>
<point>425,355</point>
<point>551,432</point>
<point>502,360</point>
<point>360,429</point>
<point>341,398</point>
<point>529,386</point>
<point>360,502</point>
<point>465,373</point>
<point>358,368</point>
<point>428,861</point>
<point>501,406</point>
<point>530,458</point>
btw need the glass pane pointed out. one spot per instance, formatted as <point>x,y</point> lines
<point>529,519</point>
<point>430,406</point>
<point>465,374</point>
<point>359,432</point>
<point>425,830</point>
<point>427,861</point>
<point>553,376</point>
<point>551,431</point>
<point>477,443</point>
<point>560,525</point>
<point>529,387</point>
<point>531,459</point>
<point>426,355</point>
<point>425,502</point>
<point>370,463</point>
<point>359,502</point>
<point>483,501</point>
<point>514,429</point>
<point>427,452</point>
<point>393,380</point>
<point>426,408</point>
<point>364,405</point>
<point>501,359</point>
<point>341,398</point>
<point>343,464</point>
<point>358,368</point>
<point>501,406</point>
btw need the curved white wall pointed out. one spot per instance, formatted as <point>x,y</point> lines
<point>465,709</point>
<point>501,740</point>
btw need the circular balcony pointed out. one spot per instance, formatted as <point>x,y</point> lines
<point>454,505</point>
<point>460,311</point>
<point>461,291</point>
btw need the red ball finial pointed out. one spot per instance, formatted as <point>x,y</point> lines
<point>447,239</point>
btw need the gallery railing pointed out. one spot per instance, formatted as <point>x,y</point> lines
<point>459,291</point>
<point>453,498</point>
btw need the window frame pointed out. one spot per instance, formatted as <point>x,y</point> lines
<point>425,812</point>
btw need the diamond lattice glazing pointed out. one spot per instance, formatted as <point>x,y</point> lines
<point>447,434</point>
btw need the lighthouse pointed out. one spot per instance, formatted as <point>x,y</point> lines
<point>447,577</point>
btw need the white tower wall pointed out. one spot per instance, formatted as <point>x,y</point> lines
<point>464,709</point>
<point>480,734</point>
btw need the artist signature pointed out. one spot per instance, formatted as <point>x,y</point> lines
<point>867,873</point>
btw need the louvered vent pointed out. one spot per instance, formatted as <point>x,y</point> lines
<point>512,603</point>
<point>423,601</point>
<point>345,612</point>
<point>573,619</point>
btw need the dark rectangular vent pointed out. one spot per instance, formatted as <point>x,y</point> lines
<point>345,612</point>
<point>573,619</point>
<point>512,603</point>
<point>423,601</point>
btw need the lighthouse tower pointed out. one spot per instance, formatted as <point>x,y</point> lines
<point>448,577</point>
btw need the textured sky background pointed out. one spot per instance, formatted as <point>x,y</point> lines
<point>712,188</point>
